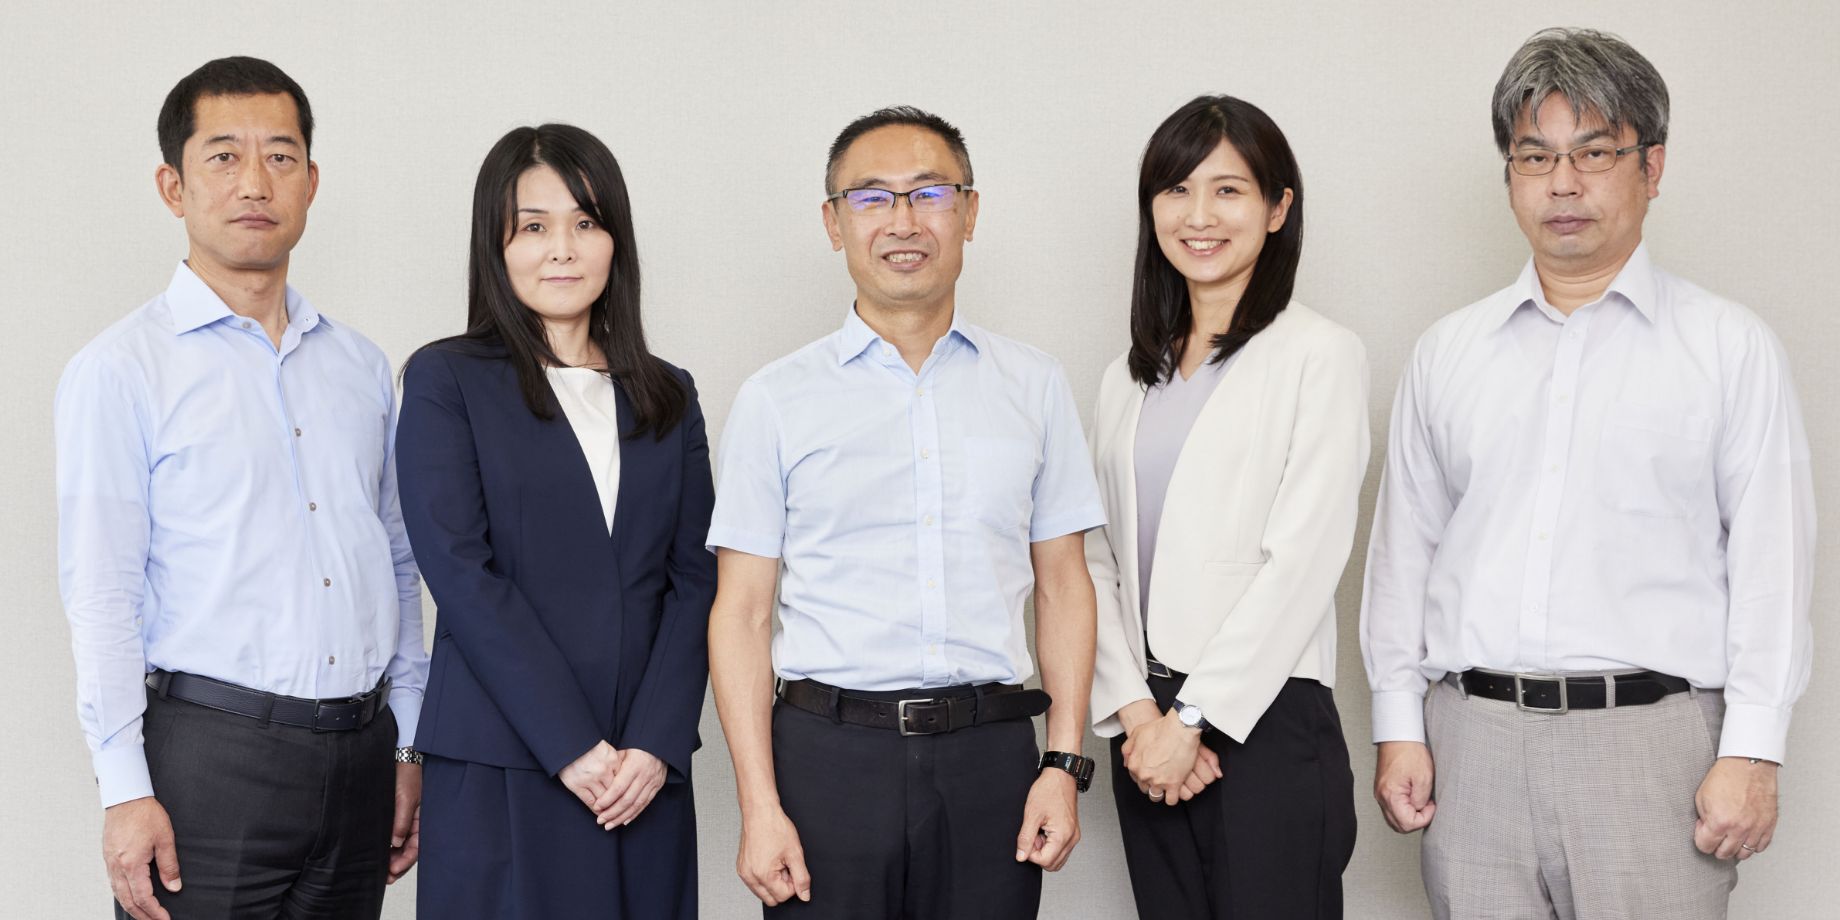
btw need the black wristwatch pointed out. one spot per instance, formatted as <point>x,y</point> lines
<point>1080,767</point>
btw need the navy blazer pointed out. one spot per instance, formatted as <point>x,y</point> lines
<point>550,634</point>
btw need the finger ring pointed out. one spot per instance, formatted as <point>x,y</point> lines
<point>1748,847</point>
<point>1156,796</point>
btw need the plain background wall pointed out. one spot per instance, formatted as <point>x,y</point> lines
<point>720,115</point>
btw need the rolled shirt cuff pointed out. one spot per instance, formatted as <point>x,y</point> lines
<point>1399,715</point>
<point>121,774</point>
<point>1755,731</point>
<point>747,541</point>
<point>1079,520</point>
<point>406,706</point>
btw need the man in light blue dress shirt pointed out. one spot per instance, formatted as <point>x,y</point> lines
<point>907,481</point>
<point>244,609</point>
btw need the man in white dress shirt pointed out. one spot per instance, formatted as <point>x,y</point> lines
<point>1587,589</point>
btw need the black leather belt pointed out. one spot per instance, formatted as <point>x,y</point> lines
<point>1555,694</point>
<point>942,709</point>
<point>1156,668</point>
<point>340,715</point>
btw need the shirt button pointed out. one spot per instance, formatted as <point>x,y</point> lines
<point>930,583</point>
<point>1564,396</point>
<point>928,520</point>
<point>332,659</point>
<point>297,432</point>
<point>1544,535</point>
<point>312,506</point>
<point>924,453</point>
<point>326,581</point>
<point>1553,469</point>
<point>919,391</point>
<point>245,324</point>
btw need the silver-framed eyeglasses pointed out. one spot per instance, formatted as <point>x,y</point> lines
<point>1593,158</point>
<point>925,198</point>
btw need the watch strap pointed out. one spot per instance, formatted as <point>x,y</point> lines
<point>408,755</point>
<point>1081,768</point>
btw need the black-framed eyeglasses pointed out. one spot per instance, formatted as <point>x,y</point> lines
<point>1593,158</point>
<point>925,198</point>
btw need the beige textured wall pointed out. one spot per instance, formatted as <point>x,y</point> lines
<point>721,113</point>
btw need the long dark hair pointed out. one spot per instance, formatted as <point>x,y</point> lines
<point>1160,312</point>
<point>496,319</point>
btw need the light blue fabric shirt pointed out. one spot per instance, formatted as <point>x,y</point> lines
<point>228,509</point>
<point>902,505</point>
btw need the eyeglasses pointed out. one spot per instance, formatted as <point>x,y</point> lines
<point>925,198</point>
<point>1538,161</point>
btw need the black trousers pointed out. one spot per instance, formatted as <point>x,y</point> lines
<point>271,821</point>
<point>907,828</point>
<point>1269,840</point>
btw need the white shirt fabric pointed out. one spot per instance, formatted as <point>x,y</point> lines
<point>1628,487</point>
<point>586,397</point>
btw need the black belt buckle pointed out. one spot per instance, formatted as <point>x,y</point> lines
<point>328,714</point>
<point>1520,695</point>
<point>901,714</point>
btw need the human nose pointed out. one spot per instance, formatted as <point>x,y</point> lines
<point>252,179</point>
<point>1197,214</point>
<point>902,221</point>
<point>562,246</point>
<point>1562,182</point>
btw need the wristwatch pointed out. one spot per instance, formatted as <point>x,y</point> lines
<point>1190,715</point>
<point>1080,767</point>
<point>408,755</point>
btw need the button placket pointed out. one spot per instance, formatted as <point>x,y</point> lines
<point>1549,490</point>
<point>929,491</point>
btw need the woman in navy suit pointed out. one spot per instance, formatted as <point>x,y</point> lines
<point>555,485</point>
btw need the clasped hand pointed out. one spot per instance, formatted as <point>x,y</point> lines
<point>614,784</point>
<point>1164,757</point>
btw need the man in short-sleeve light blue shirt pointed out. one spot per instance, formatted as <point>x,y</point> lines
<point>908,480</point>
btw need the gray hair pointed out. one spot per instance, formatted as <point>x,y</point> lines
<point>1598,73</point>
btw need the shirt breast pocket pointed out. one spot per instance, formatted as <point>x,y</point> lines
<point>1000,478</point>
<point>1652,461</point>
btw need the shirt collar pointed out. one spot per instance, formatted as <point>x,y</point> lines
<point>195,305</point>
<point>1635,283</point>
<point>856,337</point>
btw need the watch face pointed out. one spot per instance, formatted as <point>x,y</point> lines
<point>1190,715</point>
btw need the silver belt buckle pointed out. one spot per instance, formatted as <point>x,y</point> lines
<point>900,716</point>
<point>1520,695</point>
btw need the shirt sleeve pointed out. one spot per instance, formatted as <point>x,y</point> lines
<point>1766,505</point>
<point>750,510</point>
<point>1409,520</point>
<point>408,666</point>
<point>104,527</point>
<point>1066,495</point>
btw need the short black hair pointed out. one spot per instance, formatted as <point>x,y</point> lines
<point>230,76</point>
<point>896,115</point>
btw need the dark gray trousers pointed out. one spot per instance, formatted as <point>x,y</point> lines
<point>272,822</point>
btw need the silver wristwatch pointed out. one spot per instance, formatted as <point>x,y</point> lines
<point>1190,715</point>
<point>408,755</point>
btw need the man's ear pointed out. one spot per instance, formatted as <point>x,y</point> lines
<point>171,186</point>
<point>831,228</point>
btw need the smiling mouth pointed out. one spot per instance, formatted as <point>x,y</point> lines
<point>1203,246</point>
<point>904,258</point>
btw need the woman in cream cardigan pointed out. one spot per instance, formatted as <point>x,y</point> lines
<point>1230,441</point>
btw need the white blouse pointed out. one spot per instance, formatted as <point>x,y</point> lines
<point>587,402</point>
